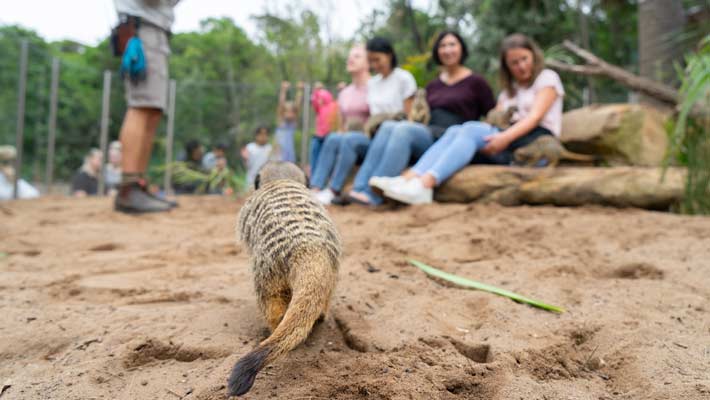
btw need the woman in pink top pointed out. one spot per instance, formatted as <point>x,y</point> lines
<point>536,91</point>
<point>326,119</point>
<point>340,151</point>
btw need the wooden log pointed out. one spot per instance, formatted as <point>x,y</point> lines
<point>566,186</point>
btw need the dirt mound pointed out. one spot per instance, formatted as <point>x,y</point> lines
<point>101,305</point>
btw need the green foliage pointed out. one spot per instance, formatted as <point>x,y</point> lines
<point>484,287</point>
<point>690,138</point>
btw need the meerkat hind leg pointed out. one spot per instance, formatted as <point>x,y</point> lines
<point>274,304</point>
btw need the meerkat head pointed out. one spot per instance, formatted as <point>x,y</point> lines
<point>277,170</point>
<point>421,94</point>
<point>522,155</point>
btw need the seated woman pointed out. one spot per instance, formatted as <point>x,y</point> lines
<point>536,92</point>
<point>457,95</point>
<point>332,163</point>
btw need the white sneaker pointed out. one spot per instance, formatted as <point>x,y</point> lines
<point>385,183</point>
<point>325,196</point>
<point>412,192</point>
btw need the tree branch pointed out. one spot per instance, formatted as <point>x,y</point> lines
<point>598,67</point>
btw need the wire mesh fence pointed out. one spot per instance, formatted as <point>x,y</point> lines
<point>62,116</point>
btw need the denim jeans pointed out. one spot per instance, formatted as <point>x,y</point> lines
<point>459,146</point>
<point>454,150</point>
<point>316,146</point>
<point>326,160</point>
<point>391,150</point>
<point>353,147</point>
<point>338,156</point>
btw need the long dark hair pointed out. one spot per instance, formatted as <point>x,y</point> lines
<point>381,45</point>
<point>442,35</point>
<point>518,41</point>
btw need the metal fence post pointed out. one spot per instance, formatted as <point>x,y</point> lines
<point>20,133</point>
<point>305,128</point>
<point>167,184</point>
<point>105,108</point>
<point>52,125</point>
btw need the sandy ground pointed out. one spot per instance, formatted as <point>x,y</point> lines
<point>97,305</point>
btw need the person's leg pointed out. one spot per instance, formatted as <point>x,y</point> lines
<point>316,147</point>
<point>326,161</point>
<point>468,140</point>
<point>408,139</point>
<point>136,136</point>
<point>352,146</point>
<point>153,120</point>
<point>374,155</point>
<point>433,154</point>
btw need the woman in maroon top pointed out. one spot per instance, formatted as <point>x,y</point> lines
<point>457,95</point>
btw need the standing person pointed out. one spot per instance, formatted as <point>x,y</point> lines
<point>287,117</point>
<point>334,164</point>
<point>455,96</point>
<point>112,169</point>
<point>537,92</point>
<point>146,95</point>
<point>85,181</point>
<point>257,153</point>
<point>326,109</point>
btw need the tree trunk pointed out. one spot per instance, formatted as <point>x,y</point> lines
<point>658,23</point>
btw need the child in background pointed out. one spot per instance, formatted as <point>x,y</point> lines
<point>287,116</point>
<point>326,109</point>
<point>257,153</point>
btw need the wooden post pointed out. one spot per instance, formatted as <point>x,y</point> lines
<point>167,184</point>
<point>20,133</point>
<point>305,128</point>
<point>52,125</point>
<point>105,108</point>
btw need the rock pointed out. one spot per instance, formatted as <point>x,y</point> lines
<point>566,186</point>
<point>621,134</point>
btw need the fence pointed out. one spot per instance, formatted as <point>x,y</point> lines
<point>55,110</point>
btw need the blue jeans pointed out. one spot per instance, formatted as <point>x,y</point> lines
<point>454,150</point>
<point>394,145</point>
<point>316,146</point>
<point>337,158</point>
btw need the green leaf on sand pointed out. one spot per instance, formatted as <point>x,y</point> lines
<point>482,286</point>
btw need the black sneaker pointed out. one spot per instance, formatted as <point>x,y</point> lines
<point>144,186</point>
<point>132,199</point>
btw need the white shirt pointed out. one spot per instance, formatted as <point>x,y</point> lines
<point>157,12</point>
<point>387,95</point>
<point>24,189</point>
<point>525,97</point>
<point>258,156</point>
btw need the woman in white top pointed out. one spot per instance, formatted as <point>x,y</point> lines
<point>536,91</point>
<point>390,91</point>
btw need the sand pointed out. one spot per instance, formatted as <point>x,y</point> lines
<point>98,305</point>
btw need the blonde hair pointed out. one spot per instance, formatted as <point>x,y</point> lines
<point>518,41</point>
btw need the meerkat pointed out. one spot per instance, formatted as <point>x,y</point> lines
<point>373,123</point>
<point>420,111</point>
<point>295,251</point>
<point>549,148</point>
<point>501,119</point>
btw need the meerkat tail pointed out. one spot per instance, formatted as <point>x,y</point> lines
<point>577,157</point>
<point>312,278</point>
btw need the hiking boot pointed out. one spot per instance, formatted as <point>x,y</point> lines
<point>133,199</point>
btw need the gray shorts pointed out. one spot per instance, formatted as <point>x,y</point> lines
<point>153,91</point>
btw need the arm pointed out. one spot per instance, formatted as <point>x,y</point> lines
<point>408,104</point>
<point>543,101</point>
<point>282,99</point>
<point>299,97</point>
